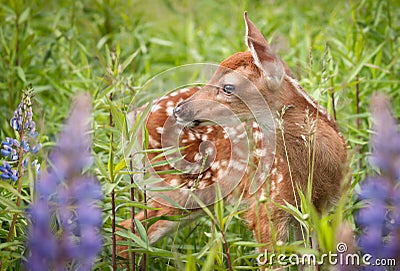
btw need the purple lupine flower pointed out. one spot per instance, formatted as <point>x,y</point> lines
<point>22,119</point>
<point>67,199</point>
<point>379,220</point>
<point>386,141</point>
<point>7,173</point>
<point>22,122</point>
<point>10,148</point>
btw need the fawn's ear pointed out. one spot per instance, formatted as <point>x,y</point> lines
<point>264,58</point>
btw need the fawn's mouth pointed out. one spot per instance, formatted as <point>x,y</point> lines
<point>189,124</point>
<point>195,123</point>
<point>184,116</point>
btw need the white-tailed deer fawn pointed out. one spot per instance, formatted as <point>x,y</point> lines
<point>302,131</point>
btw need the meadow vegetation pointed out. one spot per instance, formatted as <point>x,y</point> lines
<point>340,51</point>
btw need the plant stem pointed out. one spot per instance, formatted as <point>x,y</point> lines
<point>144,259</point>
<point>333,103</point>
<point>358,123</point>
<point>18,203</point>
<point>113,236</point>
<point>228,256</point>
<point>114,242</point>
<point>20,174</point>
<point>133,254</point>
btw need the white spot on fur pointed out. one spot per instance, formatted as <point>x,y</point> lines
<point>197,157</point>
<point>169,110</point>
<point>174,182</point>
<point>160,130</point>
<point>240,152</point>
<point>231,131</point>
<point>273,185</point>
<point>238,165</point>
<point>215,165</point>
<point>190,184</point>
<point>221,173</point>
<point>242,135</point>
<point>279,178</point>
<point>262,176</point>
<point>260,152</point>
<point>153,143</point>
<point>224,163</point>
<point>155,107</point>
<point>273,171</point>
<point>183,90</point>
<point>209,150</point>
<point>258,136</point>
<point>240,127</point>
<point>192,137</point>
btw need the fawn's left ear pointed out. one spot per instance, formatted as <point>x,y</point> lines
<point>264,58</point>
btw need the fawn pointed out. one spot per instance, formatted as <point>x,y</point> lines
<point>300,129</point>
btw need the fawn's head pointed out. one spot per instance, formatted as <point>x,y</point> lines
<point>244,84</point>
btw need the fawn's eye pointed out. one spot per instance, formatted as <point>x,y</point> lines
<point>228,89</point>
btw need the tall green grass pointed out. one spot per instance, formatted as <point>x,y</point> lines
<point>341,52</point>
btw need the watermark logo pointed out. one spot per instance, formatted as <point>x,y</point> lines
<point>340,257</point>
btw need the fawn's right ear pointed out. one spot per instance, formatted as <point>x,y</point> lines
<point>264,58</point>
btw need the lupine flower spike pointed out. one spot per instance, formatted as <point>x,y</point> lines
<point>379,220</point>
<point>15,150</point>
<point>65,218</point>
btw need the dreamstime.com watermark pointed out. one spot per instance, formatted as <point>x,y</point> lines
<point>340,257</point>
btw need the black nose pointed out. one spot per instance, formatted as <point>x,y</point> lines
<point>176,111</point>
<point>183,113</point>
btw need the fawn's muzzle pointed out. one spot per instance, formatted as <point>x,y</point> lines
<point>183,114</point>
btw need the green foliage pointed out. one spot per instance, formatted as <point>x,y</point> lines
<point>340,51</point>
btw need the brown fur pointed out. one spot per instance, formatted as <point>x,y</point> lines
<point>241,60</point>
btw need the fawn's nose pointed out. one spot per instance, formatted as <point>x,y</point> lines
<point>183,113</point>
<point>176,111</point>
